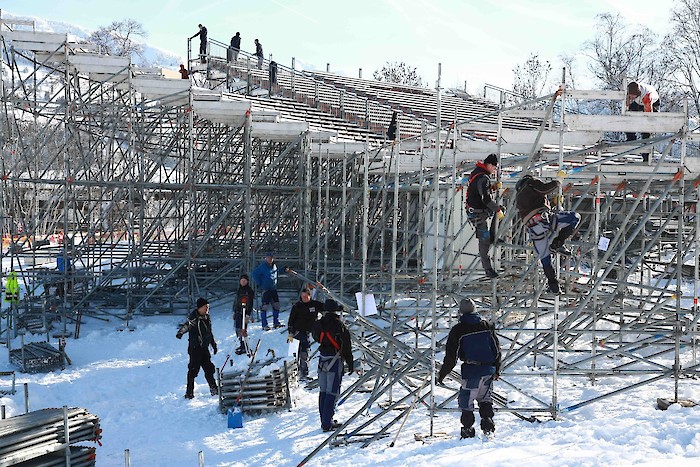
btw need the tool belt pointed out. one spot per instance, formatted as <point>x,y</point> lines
<point>475,215</point>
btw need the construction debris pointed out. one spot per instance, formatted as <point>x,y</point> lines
<point>39,438</point>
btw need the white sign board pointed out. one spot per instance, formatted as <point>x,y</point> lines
<point>368,307</point>
<point>603,243</point>
<point>293,348</point>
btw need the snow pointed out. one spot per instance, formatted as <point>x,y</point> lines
<point>134,381</point>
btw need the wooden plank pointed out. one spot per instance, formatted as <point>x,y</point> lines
<point>596,94</point>
<point>222,107</point>
<point>282,131</point>
<point>17,22</point>
<point>34,36</point>
<point>93,63</point>
<point>84,46</point>
<point>652,122</point>
<point>38,46</point>
<point>479,127</point>
<point>199,94</point>
<point>321,136</point>
<point>41,57</point>
<point>525,113</point>
<point>266,115</point>
<point>412,162</point>
<point>101,60</point>
<point>104,77</point>
<point>337,149</point>
<point>160,86</point>
<point>552,137</point>
<point>487,147</point>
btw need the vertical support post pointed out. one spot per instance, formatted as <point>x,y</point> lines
<point>367,113</point>
<point>557,301</point>
<point>26,397</point>
<point>680,256</point>
<point>293,90</point>
<point>247,180</point>
<point>190,224</point>
<point>343,221</point>
<point>127,458</point>
<point>319,210</point>
<point>326,210</point>
<point>306,204</point>
<point>316,97</point>
<point>365,234</point>
<point>420,263</point>
<point>248,86</point>
<point>436,221</point>
<point>66,435</point>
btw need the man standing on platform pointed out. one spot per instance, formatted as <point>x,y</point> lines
<point>202,43</point>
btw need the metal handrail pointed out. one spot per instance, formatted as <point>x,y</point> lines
<point>344,96</point>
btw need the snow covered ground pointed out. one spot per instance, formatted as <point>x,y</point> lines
<point>134,382</point>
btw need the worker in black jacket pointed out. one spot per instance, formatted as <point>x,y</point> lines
<point>301,320</point>
<point>334,346</point>
<point>474,341</point>
<point>235,47</point>
<point>242,311</point>
<point>198,325</point>
<point>202,33</point>
<point>481,207</point>
<point>547,228</point>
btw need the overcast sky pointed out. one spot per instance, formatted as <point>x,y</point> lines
<point>477,41</point>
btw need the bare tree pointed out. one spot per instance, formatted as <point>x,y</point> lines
<point>682,51</point>
<point>531,77</point>
<point>118,38</point>
<point>619,51</point>
<point>399,72</point>
<point>569,62</point>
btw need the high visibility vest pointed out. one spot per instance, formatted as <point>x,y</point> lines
<point>12,288</point>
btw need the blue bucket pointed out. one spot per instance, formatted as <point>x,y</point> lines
<point>235,418</point>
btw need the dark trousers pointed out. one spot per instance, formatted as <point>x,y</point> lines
<point>476,389</point>
<point>199,358</point>
<point>634,107</point>
<point>304,346</point>
<point>330,374</point>
<point>270,298</point>
<point>485,234</point>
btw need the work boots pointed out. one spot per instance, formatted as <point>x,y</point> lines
<point>553,287</point>
<point>487,426</point>
<point>552,282</point>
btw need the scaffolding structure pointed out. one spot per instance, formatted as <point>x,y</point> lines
<point>153,191</point>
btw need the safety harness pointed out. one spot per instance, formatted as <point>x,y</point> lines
<point>330,338</point>
<point>327,365</point>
